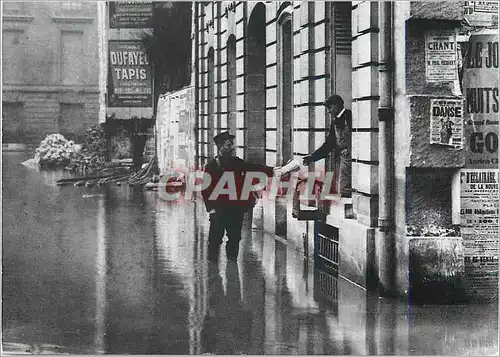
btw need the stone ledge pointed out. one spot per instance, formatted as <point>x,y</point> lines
<point>17,18</point>
<point>72,19</point>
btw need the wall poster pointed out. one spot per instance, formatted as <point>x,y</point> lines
<point>130,14</point>
<point>130,81</point>
<point>480,83</point>
<point>441,55</point>
<point>447,122</point>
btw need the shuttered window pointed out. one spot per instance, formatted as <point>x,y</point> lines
<point>342,27</point>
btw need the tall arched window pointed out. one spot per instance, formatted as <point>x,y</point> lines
<point>211,101</point>
<point>231,83</point>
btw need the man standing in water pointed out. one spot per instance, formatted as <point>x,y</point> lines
<point>226,213</point>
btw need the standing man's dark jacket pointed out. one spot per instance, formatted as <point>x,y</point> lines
<point>339,141</point>
<point>216,167</point>
<point>338,138</point>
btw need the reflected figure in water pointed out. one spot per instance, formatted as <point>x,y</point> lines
<point>228,325</point>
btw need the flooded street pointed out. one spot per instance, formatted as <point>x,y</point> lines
<point>116,270</point>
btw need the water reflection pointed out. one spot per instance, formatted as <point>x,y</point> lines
<point>227,327</point>
<point>116,270</point>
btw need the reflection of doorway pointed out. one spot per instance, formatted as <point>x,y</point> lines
<point>285,105</point>
<point>255,69</point>
<point>231,83</point>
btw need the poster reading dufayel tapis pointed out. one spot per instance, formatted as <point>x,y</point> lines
<point>447,122</point>
<point>130,81</point>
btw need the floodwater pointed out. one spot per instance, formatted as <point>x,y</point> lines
<point>116,270</point>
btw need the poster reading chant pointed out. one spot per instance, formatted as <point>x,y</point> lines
<point>440,56</point>
<point>130,14</point>
<point>447,122</point>
<point>130,81</point>
<point>480,87</point>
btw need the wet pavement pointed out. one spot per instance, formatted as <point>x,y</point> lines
<point>116,270</point>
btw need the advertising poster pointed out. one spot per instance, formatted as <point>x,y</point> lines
<point>479,212</point>
<point>440,56</point>
<point>447,122</point>
<point>481,13</point>
<point>130,82</point>
<point>480,84</point>
<point>130,14</point>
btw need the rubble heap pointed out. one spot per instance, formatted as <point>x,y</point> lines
<point>55,151</point>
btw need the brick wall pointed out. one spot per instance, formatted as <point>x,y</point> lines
<point>42,113</point>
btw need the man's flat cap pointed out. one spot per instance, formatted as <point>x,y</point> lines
<point>220,138</point>
<point>333,99</point>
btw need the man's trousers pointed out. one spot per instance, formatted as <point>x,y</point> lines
<point>225,220</point>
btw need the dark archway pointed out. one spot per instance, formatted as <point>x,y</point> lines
<point>255,98</point>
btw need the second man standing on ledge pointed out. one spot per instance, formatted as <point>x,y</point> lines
<point>338,141</point>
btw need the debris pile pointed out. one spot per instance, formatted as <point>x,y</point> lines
<point>92,157</point>
<point>55,151</point>
<point>131,177</point>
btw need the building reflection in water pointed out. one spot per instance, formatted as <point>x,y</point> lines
<point>100,278</point>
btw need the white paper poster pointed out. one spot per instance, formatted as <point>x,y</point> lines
<point>479,208</point>
<point>447,122</point>
<point>441,56</point>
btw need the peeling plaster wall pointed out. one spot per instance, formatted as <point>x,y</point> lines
<point>437,10</point>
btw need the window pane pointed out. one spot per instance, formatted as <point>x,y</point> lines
<point>13,122</point>
<point>71,57</point>
<point>13,56</point>
<point>71,120</point>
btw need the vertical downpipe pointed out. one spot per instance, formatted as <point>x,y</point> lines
<point>386,248</point>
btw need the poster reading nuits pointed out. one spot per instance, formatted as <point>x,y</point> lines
<point>480,82</point>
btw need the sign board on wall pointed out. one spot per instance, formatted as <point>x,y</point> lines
<point>480,83</point>
<point>447,122</point>
<point>130,81</point>
<point>479,195</point>
<point>441,56</point>
<point>130,14</point>
<point>479,210</point>
<point>481,13</point>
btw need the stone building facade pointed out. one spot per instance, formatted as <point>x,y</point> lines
<point>50,69</point>
<point>263,70</point>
